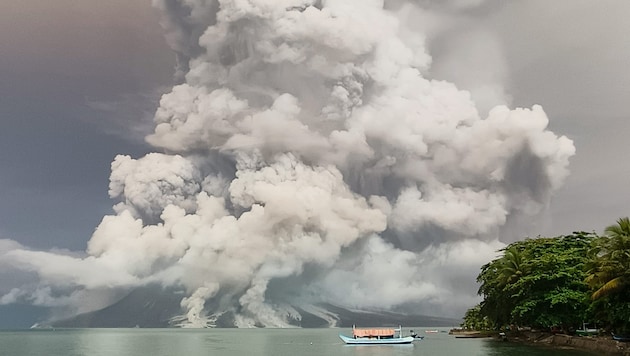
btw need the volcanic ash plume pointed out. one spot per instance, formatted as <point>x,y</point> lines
<point>305,159</point>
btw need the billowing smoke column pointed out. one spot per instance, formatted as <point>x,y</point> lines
<point>307,159</point>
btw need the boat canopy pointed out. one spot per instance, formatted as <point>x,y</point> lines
<point>372,332</point>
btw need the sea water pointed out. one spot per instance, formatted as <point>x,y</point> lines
<point>245,342</point>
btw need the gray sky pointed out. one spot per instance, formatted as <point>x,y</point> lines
<point>572,57</point>
<point>71,73</point>
<point>80,80</point>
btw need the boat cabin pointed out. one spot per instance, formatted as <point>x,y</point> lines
<point>375,333</point>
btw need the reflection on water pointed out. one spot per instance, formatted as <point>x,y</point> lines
<point>250,342</point>
<point>377,350</point>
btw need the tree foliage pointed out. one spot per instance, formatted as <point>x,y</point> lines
<point>474,320</point>
<point>609,271</point>
<point>537,282</point>
<point>559,281</point>
<point>609,275</point>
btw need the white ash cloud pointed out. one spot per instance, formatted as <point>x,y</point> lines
<point>307,151</point>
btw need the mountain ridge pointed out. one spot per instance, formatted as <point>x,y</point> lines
<point>147,308</point>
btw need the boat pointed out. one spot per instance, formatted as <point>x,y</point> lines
<point>586,331</point>
<point>432,331</point>
<point>468,334</point>
<point>472,335</point>
<point>415,335</point>
<point>376,337</point>
<point>624,338</point>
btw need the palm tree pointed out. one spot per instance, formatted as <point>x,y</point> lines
<point>610,270</point>
<point>496,280</point>
<point>511,267</point>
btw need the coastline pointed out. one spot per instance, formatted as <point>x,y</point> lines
<point>595,344</point>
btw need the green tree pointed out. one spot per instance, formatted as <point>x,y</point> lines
<point>511,267</point>
<point>609,276</point>
<point>610,268</point>
<point>553,293</point>
<point>497,303</point>
<point>538,282</point>
<point>497,281</point>
<point>474,320</point>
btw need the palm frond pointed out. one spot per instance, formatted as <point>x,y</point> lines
<point>609,287</point>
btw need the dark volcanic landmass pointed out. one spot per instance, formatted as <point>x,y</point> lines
<point>151,307</point>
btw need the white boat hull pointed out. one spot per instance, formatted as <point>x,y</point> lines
<point>375,341</point>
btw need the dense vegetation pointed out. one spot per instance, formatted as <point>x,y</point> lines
<point>558,282</point>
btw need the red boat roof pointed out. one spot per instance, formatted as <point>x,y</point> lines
<point>372,332</point>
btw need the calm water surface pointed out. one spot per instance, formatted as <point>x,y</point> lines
<point>243,342</point>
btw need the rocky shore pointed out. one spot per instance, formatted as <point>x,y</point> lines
<point>599,345</point>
